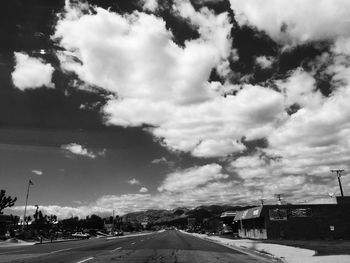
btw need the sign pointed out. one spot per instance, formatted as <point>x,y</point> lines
<point>256,212</point>
<point>300,212</point>
<point>278,214</point>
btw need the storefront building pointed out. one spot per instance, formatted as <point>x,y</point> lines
<point>302,221</point>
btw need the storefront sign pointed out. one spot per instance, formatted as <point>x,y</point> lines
<point>278,214</point>
<point>300,212</point>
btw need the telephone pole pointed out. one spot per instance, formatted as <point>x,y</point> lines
<point>279,197</point>
<point>338,172</point>
<point>25,208</point>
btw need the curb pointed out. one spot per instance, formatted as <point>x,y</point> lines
<point>56,241</point>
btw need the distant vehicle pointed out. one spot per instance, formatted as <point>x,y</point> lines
<point>119,233</point>
<point>81,235</point>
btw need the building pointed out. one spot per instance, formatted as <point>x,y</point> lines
<point>7,223</point>
<point>228,224</point>
<point>302,221</point>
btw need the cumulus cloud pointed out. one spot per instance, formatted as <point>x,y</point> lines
<point>37,172</point>
<point>264,62</point>
<point>191,178</point>
<point>134,181</point>
<point>297,21</point>
<point>150,5</point>
<point>307,144</point>
<point>159,160</point>
<point>31,72</point>
<point>168,88</point>
<point>143,190</point>
<point>78,149</point>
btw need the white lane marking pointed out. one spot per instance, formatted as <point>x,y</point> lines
<point>134,235</point>
<point>116,249</point>
<point>141,240</point>
<point>56,251</point>
<point>133,243</point>
<point>84,260</point>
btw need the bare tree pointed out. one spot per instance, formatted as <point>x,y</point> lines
<point>6,201</point>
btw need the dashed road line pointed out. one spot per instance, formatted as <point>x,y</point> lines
<point>84,260</point>
<point>56,251</point>
<point>115,249</point>
<point>133,243</point>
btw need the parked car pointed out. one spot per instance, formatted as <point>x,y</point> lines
<point>81,235</point>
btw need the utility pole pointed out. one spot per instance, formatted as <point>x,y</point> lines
<point>279,197</point>
<point>338,172</point>
<point>113,221</point>
<point>25,208</point>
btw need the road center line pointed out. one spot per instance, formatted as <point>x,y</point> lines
<point>84,260</point>
<point>56,251</point>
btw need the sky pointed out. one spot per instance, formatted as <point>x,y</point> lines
<point>146,104</point>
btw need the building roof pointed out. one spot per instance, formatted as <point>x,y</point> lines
<point>229,214</point>
<point>249,213</point>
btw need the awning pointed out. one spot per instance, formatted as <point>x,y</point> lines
<point>249,213</point>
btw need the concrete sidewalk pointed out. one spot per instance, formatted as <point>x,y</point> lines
<point>15,242</point>
<point>287,254</point>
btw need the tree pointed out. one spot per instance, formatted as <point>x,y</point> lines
<point>6,201</point>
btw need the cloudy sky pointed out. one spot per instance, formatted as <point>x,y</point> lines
<point>131,105</point>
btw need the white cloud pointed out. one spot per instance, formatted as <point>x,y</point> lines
<point>297,21</point>
<point>31,72</point>
<point>78,149</point>
<point>216,148</point>
<point>300,88</point>
<point>160,160</point>
<point>264,62</point>
<point>150,5</point>
<point>37,172</point>
<point>143,190</point>
<point>134,181</point>
<point>168,88</point>
<point>192,178</point>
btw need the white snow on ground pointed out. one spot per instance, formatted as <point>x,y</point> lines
<point>287,253</point>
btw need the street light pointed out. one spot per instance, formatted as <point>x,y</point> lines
<point>25,208</point>
<point>338,172</point>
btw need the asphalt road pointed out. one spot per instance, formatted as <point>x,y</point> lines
<point>159,247</point>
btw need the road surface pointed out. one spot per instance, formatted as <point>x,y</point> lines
<point>159,247</point>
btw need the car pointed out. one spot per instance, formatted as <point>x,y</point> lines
<point>81,235</point>
<point>119,233</point>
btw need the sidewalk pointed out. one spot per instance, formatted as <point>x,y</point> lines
<point>287,254</point>
<point>15,242</point>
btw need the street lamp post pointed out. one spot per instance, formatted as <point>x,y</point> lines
<point>25,208</point>
<point>338,172</point>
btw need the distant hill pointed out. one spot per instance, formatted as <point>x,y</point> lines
<point>180,214</point>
